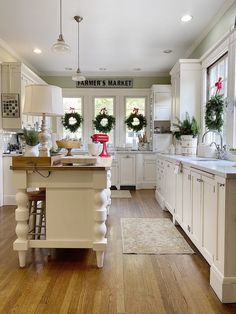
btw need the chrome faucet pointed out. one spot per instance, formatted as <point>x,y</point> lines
<point>220,149</point>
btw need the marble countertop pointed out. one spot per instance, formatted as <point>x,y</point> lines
<point>222,168</point>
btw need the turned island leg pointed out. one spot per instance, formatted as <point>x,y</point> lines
<point>100,242</point>
<point>108,190</point>
<point>22,228</point>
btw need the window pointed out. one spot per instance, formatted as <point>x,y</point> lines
<point>108,103</point>
<point>214,72</point>
<point>72,104</point>
<point>130,104</point>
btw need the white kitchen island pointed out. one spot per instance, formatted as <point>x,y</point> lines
<point>77,204</point>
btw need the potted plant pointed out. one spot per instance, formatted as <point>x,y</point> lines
<point>187,131</point>
<point>30,136</point>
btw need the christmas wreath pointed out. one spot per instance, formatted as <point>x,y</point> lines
<point>215,109</point>
<point>72,120</point>
<point>104,122</point>
<point>136,121</point>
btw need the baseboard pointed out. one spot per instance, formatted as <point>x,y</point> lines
<point>224,287</point>
<point>160,200</point>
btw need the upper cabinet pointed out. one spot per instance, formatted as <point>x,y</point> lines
<point>161,101</point>
<point>186,89</point>
<point>14,77</point>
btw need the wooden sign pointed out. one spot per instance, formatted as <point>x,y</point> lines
<point>105,83</point>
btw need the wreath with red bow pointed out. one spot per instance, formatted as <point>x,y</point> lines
<point>136,121</point>
<point>215,109</point>
<point>104,122</point>
<point>72,120</point>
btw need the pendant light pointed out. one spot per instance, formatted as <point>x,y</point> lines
<point>60,46</point>
<point>78,77</point>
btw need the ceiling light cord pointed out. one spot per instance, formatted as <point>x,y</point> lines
<point>78,76</point>
<point>60,46</point>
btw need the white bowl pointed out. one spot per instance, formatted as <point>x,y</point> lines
<point>94,149</point>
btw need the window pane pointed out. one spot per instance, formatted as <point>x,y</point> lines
<point>217,70</point>
<point>70,104</point>
<point>130,104</point>
<point>108,103</point>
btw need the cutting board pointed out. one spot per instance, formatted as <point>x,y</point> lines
<point>82,160</point>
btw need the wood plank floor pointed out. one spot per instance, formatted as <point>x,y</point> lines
<point>70,282</point>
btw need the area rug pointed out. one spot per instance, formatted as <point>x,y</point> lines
<point>152,236</point>
<point>120,194</point>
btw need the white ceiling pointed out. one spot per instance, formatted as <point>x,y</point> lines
<point>119,35</point>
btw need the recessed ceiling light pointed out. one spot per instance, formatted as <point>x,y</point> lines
<point>102,69</point>
<point>186,18</point>
<point>167,51</point>
<point>137,69</point>
<point>68,69</point>
<point>37,51</point>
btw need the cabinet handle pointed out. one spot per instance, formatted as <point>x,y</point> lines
<point>189,229</point>
<point>199,180</point>
<point>127,156</point>
<point>222,185</point>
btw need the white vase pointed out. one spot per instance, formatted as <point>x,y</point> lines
<point>189,145</point>
<point>31,151</point>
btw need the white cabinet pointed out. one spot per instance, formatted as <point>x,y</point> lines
<point>186,88</point>
<point>145,171</point>
<point>179,197</point>
<point>196,207</point>
<point>114,172</point>
<point>187,212</point>
<point>170,186</point>
<point>161,100</point>
<point>15,76</point>
<point>160,182</point>
<point>127,169</point>
<point>9,192</point>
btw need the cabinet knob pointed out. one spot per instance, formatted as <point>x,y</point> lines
<point>127,156</point>
<point>222,185</point>
<point>199,180</point>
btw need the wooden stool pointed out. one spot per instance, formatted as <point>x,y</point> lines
<point>37,202</point>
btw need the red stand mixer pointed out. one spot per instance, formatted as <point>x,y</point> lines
<point>103,139</point>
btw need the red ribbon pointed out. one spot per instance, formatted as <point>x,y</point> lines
<point>72,109</point>
<point>219,85</point>
<point>103,110</point>
<point>135,110</point>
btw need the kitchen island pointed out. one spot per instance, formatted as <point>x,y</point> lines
<point>77,204</point>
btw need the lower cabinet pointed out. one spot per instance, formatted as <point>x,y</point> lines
<point>9,192</point>
<point>204,206</point>
<point>127,169</point>
<point>145,171</point>
<point>114,173</point>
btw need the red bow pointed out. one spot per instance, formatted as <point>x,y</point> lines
<point>103,110</point>
<point>219,85</point>
<point>72,109</point>
<point>135,110</point>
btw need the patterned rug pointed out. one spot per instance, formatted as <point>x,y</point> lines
<point>152,236</point>
<point>120,194</point>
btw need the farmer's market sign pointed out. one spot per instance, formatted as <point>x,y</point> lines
<point>105,83</point>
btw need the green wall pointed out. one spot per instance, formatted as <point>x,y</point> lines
<point>138,82</point>
<point>216,33</point>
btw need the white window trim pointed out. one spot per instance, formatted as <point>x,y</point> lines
<point>224,46</point>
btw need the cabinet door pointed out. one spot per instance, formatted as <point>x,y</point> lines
<point>114,173</point>
<point>127,169</point>
<point>162,106</point>
<point>209,218</point>
<point>149,169</point>
<point>179,197</point>
<point>187,214</point>
<point>170,187</point>
<point>196,183</point>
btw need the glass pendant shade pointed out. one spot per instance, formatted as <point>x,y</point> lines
<point>78,77</point>
<point>60,46</point>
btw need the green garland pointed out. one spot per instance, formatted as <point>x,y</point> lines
<point>111,121</point>
<point>136,127</point>
<point>66,121</point>
<point>214,113</point>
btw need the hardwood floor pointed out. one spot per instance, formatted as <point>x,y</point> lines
<point>70,282</point>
